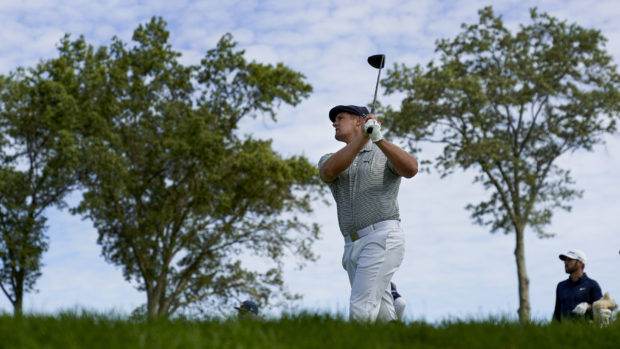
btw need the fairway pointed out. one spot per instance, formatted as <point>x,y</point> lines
<point>300,331</point>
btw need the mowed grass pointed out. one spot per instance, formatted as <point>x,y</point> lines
<point>71,330</point>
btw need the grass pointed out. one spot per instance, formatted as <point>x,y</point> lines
<point>87,330</point>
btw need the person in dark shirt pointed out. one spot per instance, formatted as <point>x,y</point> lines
<point>574,296</point>
<point>247,310</point>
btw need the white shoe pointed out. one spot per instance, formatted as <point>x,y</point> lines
<point>399,306</point>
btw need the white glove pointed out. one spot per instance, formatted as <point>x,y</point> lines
<point>581,308</point>
<point>375,135</point>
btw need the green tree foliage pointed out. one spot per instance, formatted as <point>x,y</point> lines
<point>508,105</point>
<point>179,199</point>
<point>38,158</point>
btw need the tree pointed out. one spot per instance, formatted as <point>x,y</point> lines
<point>509,105</point>
<point>38,158</point>
<point>176,195</point>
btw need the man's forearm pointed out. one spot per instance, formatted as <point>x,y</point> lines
<point>404,164</point>
<point>342,159</point>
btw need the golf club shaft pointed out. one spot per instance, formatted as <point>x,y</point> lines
<point>374,100</point>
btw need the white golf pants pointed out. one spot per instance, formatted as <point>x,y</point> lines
<point>371,261</point>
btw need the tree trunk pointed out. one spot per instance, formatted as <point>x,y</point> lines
<point>524,281</point>
<point>156,305</point>
<point>18,306</point>
<point>152,302</point>
<point>19,293</point>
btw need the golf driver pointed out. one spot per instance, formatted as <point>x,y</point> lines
<point>378,62</point>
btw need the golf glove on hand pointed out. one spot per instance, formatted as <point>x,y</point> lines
<point>376,135</point>
<point>581,308</point>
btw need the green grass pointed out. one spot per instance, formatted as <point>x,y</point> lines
<point>72,330</point>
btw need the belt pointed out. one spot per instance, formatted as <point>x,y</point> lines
<point>356,235</point>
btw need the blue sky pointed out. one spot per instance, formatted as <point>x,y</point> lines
<point>452,268</point>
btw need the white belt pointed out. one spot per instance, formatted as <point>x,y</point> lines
<point>356,235</point>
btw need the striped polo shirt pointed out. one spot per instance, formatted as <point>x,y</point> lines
<point>367,191</point>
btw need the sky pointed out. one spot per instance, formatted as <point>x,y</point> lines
<point>452,268</point>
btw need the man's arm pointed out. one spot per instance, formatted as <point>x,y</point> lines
<point>404,164</point>
<point>557,312</point>
<point>595,292</point>
<point>342,159</point>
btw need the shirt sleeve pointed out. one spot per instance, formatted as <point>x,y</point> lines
<point>391,167</point>
<point>595,292</point>
<point>323,159</point>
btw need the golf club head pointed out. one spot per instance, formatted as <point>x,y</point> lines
<point>377,61</point>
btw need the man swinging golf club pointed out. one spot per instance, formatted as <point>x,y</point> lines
<point>364,177</point>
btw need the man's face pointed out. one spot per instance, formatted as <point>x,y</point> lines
<point>346,125</point>
<point>571,265</point>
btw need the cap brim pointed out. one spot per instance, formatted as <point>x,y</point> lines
<point>335,111</point>
<point>565,257</point>
<point>354,110</point>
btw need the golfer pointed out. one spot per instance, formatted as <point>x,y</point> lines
<point>364,178</point>
<point>575,295</point>
<point>247,310</point>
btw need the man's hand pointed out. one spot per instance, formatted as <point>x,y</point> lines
<point>581,308</point>
<point>376,135</point>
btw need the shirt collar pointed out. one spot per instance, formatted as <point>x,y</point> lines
<point>581,279</point>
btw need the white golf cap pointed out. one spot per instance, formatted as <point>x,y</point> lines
<point>574,254</point>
